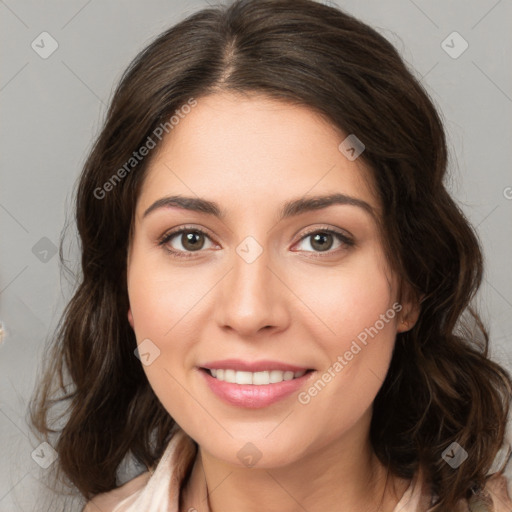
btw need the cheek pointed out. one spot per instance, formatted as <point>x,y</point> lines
<point>159,307</point>
<point>160,299</point>
<point>357,333</point>
<point>157,303</point>
<point>350,298</point>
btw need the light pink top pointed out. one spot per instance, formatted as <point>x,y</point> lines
<point>161,491</point>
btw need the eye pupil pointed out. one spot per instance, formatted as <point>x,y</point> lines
<point>320,238</point>
<point>188,240</point>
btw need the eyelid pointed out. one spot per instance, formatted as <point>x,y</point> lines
<point>328,229</point>
<point>178,229</point>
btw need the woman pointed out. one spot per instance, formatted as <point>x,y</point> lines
<point>274,308</point>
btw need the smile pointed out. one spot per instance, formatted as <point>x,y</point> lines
<point>255,378</point>
<point>263,386</point>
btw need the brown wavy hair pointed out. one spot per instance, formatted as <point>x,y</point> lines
<point>441,386</point>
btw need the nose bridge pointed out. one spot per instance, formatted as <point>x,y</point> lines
<point>251,299</point>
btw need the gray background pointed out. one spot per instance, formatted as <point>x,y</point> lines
<point>52,108</point>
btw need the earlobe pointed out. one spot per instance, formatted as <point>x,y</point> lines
<point>410,314</point>
<point>130,317</point>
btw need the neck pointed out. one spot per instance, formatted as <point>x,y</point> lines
<point>344,475</point>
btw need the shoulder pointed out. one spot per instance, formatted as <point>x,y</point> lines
<point>496,491</point>
<point>494,497</point>
<point>108,501</point>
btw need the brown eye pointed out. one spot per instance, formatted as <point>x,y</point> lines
<point>321,241</point>
<point>184,241</point>
<point>192,241</point>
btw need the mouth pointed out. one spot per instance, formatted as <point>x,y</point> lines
<point>254,389</point>
<point>261,378</point>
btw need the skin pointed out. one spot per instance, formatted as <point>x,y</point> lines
<point>250,154</point>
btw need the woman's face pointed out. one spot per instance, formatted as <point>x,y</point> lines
<point>261,287</point>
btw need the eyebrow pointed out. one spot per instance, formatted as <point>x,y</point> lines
<point>289,209</point>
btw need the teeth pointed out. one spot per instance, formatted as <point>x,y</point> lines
<point>243,377</point>
<point>255,378</point>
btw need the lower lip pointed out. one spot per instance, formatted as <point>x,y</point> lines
<point>252,396</point>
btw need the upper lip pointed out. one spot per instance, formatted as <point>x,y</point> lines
<point>252,366</point>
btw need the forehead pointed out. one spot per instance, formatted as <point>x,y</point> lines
<point>252,151</point>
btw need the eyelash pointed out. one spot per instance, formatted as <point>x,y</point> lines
<point>348,242</point>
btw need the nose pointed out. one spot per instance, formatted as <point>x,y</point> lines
<point>253,298</point>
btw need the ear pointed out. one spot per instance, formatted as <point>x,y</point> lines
<point>410,312</point>
<point>130,317</point>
